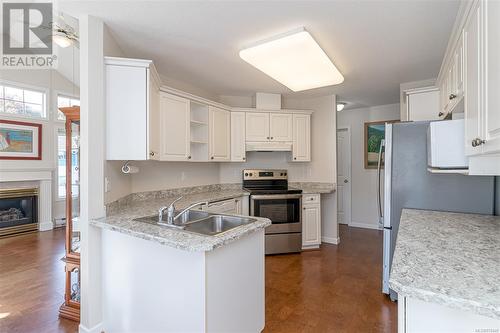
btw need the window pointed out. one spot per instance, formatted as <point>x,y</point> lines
<point>22,102</point>
<point>65,101</point>
<point>61,165</point>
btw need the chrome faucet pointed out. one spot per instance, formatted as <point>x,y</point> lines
<point>171,211</point>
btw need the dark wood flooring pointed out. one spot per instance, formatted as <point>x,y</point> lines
<point>335,289</point>
<point>32,284</point>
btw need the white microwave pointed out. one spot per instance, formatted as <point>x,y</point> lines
<point>446,145</point>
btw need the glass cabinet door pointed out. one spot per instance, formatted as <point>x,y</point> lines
<point>75,185</point>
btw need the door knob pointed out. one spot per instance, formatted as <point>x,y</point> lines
<point>346,181</point>
<point>452,96</point>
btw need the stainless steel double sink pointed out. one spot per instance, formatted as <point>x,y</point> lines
<point>201,222</point>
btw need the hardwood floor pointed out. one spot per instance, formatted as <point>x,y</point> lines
<point>336,289</point>
<point>32,283</point>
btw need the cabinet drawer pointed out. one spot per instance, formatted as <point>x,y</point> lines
<point>310,199</point>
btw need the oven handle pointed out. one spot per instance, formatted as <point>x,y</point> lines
<point>275,196</point>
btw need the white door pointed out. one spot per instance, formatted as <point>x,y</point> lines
<point>311,231</point>
<point>238,153</point>
<point>257,126</point>
<point>174,128</point>
<point>473,63</point>
<point>301,138</point>
<point>220,134</point>
<point>281,127</point>
<point>344,176</point>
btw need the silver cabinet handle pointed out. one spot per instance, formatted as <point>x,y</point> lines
<point>151,153</point>
<point>212,158</point>
<point>477,142</point>
<point>268,137</point>
<point>452,96</point>
<point>272,137</point>
<point>440,114</point>
<point>189,157</point>
<point>346,181</point>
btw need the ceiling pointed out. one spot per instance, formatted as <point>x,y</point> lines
<point>375,44</point>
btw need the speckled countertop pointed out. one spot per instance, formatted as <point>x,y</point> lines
<point>451,259</point>
<point>313,187</point>
<point>121,215</point>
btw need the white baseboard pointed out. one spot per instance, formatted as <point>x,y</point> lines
<point>330,240</point>
<point>365,225</point>
<point>96,329</point>
<point>44,226</point>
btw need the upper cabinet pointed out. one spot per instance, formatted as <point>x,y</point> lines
<point>257,126</point>
<point>471,72</point>
<point>301,138</point>
<point>175,131</point>
<point>145,121</point>
<point>220,134</point>
<point>238,137</point>
<point>422,104</point>
<point>281,127</point>
<point>132,100</point>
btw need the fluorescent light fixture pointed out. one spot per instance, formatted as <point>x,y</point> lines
<point>295,60</point>
<point>340,106</point>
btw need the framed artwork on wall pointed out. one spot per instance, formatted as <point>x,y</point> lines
<point>374,134</point>
<point>20,140</point>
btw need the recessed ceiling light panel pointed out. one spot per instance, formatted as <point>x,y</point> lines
<point>295,60</point>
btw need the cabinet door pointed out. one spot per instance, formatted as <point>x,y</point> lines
<point>219,145</point>
<point>154,138</point>
<point>281,127</point>
<point>238,153</point>
<point>257,126</point>
<point>492,78</point>
<point>126,113</point>
<point>174,128</point>
<point>311,226</point>
<point>459,64</point>
<point>423,106</point>
<point>301,137</point>
<point>473,63</point>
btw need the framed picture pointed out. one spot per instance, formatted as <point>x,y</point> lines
<point>374,134</point>
<point>20,140</point>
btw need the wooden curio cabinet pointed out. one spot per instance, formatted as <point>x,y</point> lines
<point>70,309</point>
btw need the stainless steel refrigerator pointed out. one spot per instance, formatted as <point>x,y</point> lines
<point>408,184</point>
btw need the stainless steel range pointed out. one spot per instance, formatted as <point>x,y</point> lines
<point>271,197</point>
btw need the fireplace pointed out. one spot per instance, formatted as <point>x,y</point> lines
<point>18,211</point>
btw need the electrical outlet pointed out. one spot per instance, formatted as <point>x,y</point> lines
<point>107,185</point>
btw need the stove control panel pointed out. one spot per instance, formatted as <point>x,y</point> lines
<point>255,174</point>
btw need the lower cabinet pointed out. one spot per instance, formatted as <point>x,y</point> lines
<point>311,221</point>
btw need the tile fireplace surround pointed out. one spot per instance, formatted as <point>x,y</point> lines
<point>40,179</point>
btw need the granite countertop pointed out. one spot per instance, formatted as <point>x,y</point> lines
<point>451,259</point>
<point>313,187</point>
<point>121,215</point>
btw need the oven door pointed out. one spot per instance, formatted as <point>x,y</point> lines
<point>284,211</point>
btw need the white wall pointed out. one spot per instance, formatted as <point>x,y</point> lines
<point>364,181</point>
<point>155,175</point>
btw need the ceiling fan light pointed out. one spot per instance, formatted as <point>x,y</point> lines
<point>61,40</point>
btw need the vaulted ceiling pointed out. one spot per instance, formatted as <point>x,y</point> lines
<point>375,44</point>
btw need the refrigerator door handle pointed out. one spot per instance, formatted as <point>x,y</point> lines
<point>379,170</point>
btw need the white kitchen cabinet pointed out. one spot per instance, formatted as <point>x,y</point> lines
<point>132,96</point>
<point>174,128</point>
<point>491,117</point>
<point>219,134</point>
<point>311,221</point>
<point>238,153</point>
<point>281,127</point>
<point>422,104</point>
<point>301,150</point>
<point>257,126</point>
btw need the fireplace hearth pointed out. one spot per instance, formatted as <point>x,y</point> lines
<point>18,211</point>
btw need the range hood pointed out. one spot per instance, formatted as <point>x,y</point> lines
<point>268,146</point>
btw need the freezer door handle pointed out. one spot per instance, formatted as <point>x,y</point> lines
<point>379,170</point>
